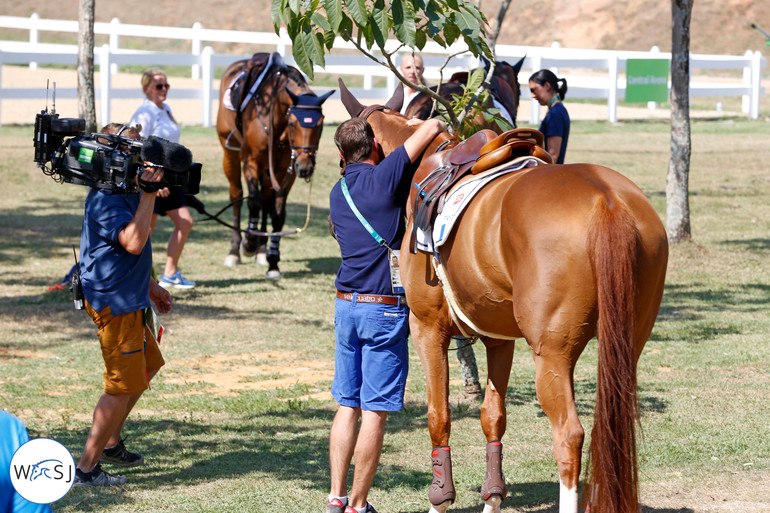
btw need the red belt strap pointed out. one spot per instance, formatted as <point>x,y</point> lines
<point>369,298</point>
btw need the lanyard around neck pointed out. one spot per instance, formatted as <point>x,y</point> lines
<point>360,217</point>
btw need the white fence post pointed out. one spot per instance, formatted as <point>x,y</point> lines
<point>746,99</point>
<point>114,42</point>
<point>207,78</point>
<point>33,35</point>
<point>756,84</point>
<point>650,105</point>
<point>105,80</point>
<point>612,88</point>
<point>534,114</point>
<point>196,49</point>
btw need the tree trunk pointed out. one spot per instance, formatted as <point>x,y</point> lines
<point>677,180</point>
<point>469,371</point>
<point>86,103</point>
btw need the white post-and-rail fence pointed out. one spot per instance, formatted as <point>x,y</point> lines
<point>601,78</point>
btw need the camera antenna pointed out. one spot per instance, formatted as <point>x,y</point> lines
<point>53,101</point>
<point>46,95</point>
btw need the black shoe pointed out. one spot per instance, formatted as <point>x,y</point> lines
<point>118,455</point>
<point>97,477</point>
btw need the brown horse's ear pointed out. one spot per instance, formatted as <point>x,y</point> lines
<point>353,106</point>
<point>397,100</point>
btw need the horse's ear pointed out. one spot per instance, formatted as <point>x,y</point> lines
<point>353,106</point>
<point>324,97</point>
<point>294,97</point>
<point>518,65</point>
<point>397,100</point>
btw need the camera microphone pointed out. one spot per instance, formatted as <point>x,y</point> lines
<point>167,154</point>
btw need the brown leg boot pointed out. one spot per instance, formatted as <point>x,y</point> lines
<point>494,482</point>
<point>443,487</point>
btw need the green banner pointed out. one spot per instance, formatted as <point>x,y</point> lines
<point>647,80</point>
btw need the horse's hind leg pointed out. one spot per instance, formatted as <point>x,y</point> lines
<point>232,168</point>
<point>555,391</point>
<point>493,421</point>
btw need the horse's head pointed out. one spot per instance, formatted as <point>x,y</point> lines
<point>388,124</point>
<point>303,128</point>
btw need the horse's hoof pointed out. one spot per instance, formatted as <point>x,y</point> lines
<point>261,258</point>
<point>232,260</point>
<point>440,508</point>
<point>273,274</point>
<point>246,251</point>
<point>492,505</point>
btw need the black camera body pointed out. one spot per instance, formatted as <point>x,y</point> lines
<point>108,161</point>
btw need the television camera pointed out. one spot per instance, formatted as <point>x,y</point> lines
<point>108,161</point>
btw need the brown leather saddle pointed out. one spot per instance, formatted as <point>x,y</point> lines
<point>482,151</point>
<point>250,71</point>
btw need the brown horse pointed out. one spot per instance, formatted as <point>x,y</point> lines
<point>282,125</point>
<point>504,86</point>
<point>556,254</point>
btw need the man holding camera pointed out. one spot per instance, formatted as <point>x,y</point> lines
<point>115,268</point>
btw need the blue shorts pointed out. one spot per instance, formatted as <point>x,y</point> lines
<point>372,355</point>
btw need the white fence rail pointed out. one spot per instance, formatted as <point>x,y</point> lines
<point>590,73</point>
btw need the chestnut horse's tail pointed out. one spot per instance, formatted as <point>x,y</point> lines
<point>612,476</point>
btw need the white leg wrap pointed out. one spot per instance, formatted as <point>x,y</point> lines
<point>568,499</point>
<point>492,505</point>
<point>441,508</point>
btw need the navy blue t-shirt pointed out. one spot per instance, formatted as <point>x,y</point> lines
<point>556,124</point>
<point>380,193</point>
<point>112,276</point>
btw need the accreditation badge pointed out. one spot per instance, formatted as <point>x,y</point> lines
<point>395,271</point>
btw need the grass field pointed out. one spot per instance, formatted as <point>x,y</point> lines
<point>239,418</point>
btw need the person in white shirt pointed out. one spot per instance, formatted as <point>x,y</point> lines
<point>411,68</point>
<point>155,117</point>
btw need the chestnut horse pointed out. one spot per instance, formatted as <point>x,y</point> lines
<point>282,125</point>
<point>504,83</point>
<point>556,254</point>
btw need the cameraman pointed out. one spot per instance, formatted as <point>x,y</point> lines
<point>115,267</point>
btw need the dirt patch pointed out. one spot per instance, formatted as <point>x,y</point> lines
<point>227,375</point>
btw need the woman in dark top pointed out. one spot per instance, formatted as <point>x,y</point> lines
<point>545,88</point>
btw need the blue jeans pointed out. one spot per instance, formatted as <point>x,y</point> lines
<point>372,355</point>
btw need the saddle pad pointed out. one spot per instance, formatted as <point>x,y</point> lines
<point>458,198</point>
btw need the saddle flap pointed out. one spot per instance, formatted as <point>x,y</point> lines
<point>470,149</point>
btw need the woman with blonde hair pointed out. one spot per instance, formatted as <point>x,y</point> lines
<point>155,117</point>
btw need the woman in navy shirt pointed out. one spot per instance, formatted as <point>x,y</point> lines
<point>546,90</point>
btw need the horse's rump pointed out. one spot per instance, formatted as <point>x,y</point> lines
<point>526,234</point>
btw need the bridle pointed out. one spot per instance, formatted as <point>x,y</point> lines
<point>310,149</point>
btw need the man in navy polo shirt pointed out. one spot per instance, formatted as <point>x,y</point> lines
<point>371,321</point>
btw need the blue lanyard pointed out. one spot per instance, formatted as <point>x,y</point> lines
<point>360,217</point>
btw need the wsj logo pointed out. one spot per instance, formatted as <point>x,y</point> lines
<point>51,469</point>
<point>42,471</point>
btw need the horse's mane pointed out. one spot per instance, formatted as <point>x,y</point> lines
<point>297,77</point>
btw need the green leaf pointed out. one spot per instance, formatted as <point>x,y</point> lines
<point>422,38</point>
<point>357,9</point>
<point>294,6</point>
<point>475,78</point>
<point>318,20</point>
<point>334,13</point>
<point>451,32</point>
<point>403,22</point>
<point>346,26</point>
<point>318,47</point>
<point>379,22</point>
<point>329,38</point>
<point>302,50</point>
<point>276,12</point>
<point>467,24</point>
